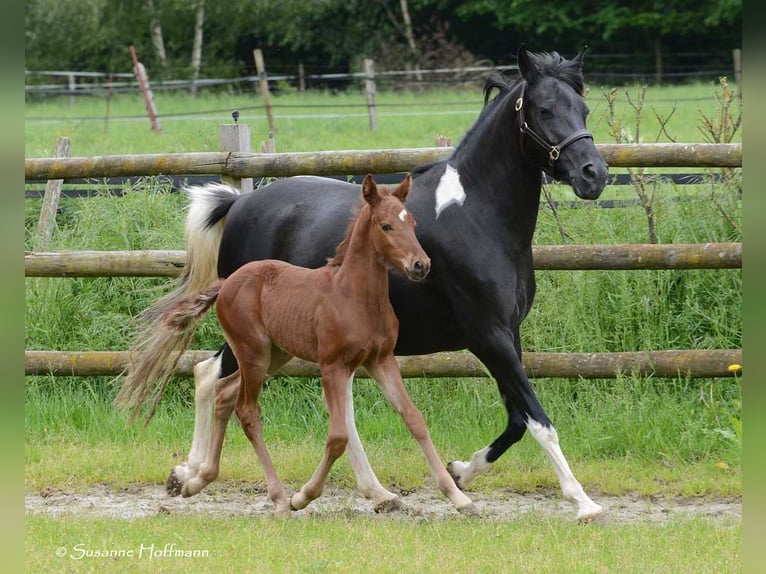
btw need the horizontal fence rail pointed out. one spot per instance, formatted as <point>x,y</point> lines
<point>546,258</point>
<point>707,363</point>
<point>243,165</point>
<point>703,363</point>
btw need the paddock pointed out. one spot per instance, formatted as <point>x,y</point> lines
<point>232,165</point>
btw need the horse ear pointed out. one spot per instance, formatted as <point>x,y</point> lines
<point>403,190</point>
<point>370,190</point>
<point>579,57</point>
<point>526,67</point>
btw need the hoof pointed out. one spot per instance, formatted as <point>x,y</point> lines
<point>173,484</point>
<point>468,510</point>
<point>455,468</point>
<point>390,505</point>
<point>592,515</point>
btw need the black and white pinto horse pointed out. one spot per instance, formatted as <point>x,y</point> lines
<point>476,214</point>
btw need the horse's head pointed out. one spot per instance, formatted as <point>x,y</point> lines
<point>392,229</point>
<point>551,113</point>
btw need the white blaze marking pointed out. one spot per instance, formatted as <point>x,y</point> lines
<point>403,214</point>
<point>449,190</point>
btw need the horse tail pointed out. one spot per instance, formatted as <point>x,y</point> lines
<point>203,230</point>
<point>158,353</point>
<point>150,355</point>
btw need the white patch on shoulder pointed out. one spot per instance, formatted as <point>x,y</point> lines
<point>449,190</point>
<point>403,214</point>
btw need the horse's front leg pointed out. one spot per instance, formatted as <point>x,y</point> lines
<point>386,373</point>
<point>206,377</point>
<point>335,385</point>
<point>499,354</point>
<point>366,481</point>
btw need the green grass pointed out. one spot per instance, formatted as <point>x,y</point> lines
<point>646,436</point>
<point>341,544</point>
<point>191,123</point>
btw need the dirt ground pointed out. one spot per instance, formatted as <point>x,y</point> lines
<point>227,499</point>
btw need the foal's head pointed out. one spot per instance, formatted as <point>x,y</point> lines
<point>392,228</point>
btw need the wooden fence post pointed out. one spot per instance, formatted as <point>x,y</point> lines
<point>369,90</point>
<point>51,201</point>
<point>301,78</point>
<point>264,84</point>
<point>236,138</point>
<point>737,57</point>
<point>143,82</point>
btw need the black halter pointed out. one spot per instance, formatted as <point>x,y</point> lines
<point>553,151</point>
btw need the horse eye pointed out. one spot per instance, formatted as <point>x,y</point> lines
<point>545,113</point>
<point>386,227</point>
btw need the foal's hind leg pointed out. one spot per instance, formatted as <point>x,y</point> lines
<point>335,385</point>
<point>387,373</point>
<point>254,359</point>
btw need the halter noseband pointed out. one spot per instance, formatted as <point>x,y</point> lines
<point>553,151</point>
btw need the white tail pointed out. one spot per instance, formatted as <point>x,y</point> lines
<point>155,349</point>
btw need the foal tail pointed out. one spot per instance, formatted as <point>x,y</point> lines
<point>161,351</point>
<point>156,347</point>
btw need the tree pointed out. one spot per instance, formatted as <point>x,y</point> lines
<point>156,31</point>
<point>199,24</point>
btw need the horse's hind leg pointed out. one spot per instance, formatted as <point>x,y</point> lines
<point>387,373</point>
<point>366,481</point>
<point>335,385</point>
<point>206,376</point>
<point>226,391</point>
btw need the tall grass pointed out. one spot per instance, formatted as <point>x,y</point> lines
<point>631,423</point>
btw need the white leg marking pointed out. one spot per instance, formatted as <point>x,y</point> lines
<point>366,480</point>
<point>466,472</point>
<point>449,190</point>
<point>205,376</point>
<point>570,488</point>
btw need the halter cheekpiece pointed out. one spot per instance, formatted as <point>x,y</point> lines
<point>553,151</point>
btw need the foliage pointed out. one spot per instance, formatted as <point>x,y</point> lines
<point>341,32</point>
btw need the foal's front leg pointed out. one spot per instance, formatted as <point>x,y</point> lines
<point>386,372</point>
<point>335,384</point>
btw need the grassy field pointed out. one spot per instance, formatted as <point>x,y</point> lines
<point>349,545</point>
<point>651,437</point>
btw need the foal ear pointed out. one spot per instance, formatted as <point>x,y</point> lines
<point>403,190</point>
<point>526,66</point>
<point>370,190</point>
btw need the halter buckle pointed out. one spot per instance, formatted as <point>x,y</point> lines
<point>554,153</point>
<point>519,103</point>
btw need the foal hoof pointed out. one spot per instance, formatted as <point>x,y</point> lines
<point>468,510</point>
<point>390,505</point>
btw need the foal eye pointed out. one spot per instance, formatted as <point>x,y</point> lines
<point>386,227</point>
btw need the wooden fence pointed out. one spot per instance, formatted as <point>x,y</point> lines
<point>241,165</point>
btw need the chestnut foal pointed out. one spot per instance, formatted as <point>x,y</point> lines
<point>338,316</point>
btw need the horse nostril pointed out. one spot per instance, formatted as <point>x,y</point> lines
<point>418,266</point>
<point>589,171</point>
